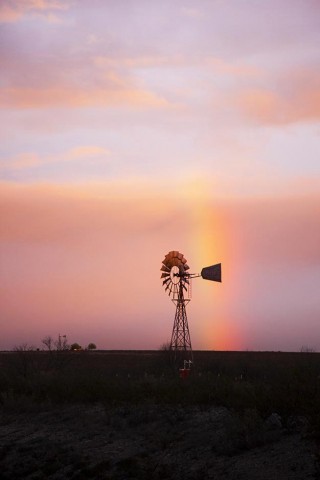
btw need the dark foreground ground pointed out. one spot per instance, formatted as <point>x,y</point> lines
<point>125,415</point>
<point>150,442</point>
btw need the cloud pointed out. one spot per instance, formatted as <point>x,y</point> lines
<point>282,229</point>
<point>14,10</point>
<point>296,98</point>
<point>216,64</point>
<point>68,254</point>
<point>22,161</point>
<point>279,231</point>
<point>71,252</point>
<point>45,211</point>
<point>80,79</point>
<point>30,159</point>
<point>192,12</point>
<point>86,151</point>
<point>68,97</point>
<point>235,69</point>
<point>137,61</point>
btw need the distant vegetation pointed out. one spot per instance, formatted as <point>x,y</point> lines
<point>75,347</point>
<point>61,344</point>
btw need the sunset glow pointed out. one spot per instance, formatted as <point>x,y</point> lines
<point>130,129</point>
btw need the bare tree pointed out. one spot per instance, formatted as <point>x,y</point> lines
<point>22,348</point>
<point>62,343</point>
<point>48,342</point>
<point>165,347</point>
<point>307,349</point>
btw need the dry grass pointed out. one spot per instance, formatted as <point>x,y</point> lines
<point>286,383</point>
<point>122,415</point>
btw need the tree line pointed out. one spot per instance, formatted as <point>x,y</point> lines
<point>60,344</point>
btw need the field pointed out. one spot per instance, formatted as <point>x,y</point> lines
<point>77,415</point>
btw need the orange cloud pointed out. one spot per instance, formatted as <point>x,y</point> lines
<point>144,61</point>
<point>235,69</point>
<point>36,212</point>
<point>297,98</point>
<point>25,98</point>
<point>141,61</point>
<point>16,9</point>
<point>22,161</point>
<point>86,151</point>
<point>192,12</point>
<point>29,159</point>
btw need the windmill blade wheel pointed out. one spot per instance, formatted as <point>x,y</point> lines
<point>173,268</point>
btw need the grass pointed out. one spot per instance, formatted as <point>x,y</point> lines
<point>265,382</point>
<point>135,403</point>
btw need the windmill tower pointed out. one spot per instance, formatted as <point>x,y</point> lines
<point>176,281</point>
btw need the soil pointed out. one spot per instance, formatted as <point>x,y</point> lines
<point>152,442</point>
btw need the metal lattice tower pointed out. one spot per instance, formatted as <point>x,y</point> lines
<point>180,339</point>
<point>176,281</point>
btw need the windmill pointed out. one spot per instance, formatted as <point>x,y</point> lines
<point>176,280</point>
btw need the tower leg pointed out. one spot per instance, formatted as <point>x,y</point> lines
<point>180,340</point>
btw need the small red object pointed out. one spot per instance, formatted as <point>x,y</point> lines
<point>184,372</point>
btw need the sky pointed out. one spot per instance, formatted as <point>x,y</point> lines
<point>131,128</point>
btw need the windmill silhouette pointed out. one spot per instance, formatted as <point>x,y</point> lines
<point>176,280</point>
